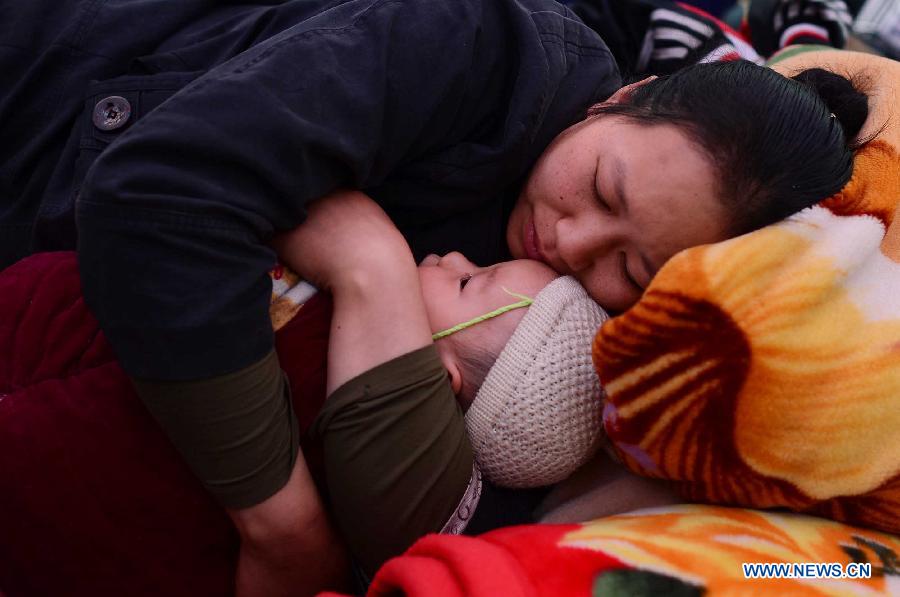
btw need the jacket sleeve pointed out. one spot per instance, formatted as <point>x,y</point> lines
<point>174,217</point>
<point>398,461</point>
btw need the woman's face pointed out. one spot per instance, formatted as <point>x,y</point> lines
<point>610,201</point>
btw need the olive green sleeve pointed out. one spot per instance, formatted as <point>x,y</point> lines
<point>237,432</point>
<point>397,457</point>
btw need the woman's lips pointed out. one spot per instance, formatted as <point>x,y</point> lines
<point>532,243</point>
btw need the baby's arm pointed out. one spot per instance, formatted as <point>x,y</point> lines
<point>397,458</point>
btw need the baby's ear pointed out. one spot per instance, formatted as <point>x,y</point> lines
<point>447,352</point>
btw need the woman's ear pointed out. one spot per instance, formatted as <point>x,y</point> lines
<point>447,353</point>
<point>622,96</point>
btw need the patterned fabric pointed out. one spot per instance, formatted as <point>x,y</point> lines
<point>704,547</point>
<point>460,518</point>
<point>812,21</point>
<point>289,293</point>
<point>657,37</point>
<point>679,34</point>
<point>764,371</point>
<point>674,551</point>
<point>776,24</point>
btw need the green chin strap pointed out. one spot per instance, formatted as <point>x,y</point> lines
<point>525,302</point>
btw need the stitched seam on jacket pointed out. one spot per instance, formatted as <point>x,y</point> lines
<point>202,82</point>
<point>155,217</point>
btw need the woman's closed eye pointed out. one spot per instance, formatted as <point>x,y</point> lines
<point>601,201</point>
<point>598,194</point>
<point>623,263</point>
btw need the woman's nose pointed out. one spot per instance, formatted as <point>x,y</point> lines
<point>457,261</point>
<point>581,242</point>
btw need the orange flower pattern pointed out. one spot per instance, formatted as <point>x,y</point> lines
<point>764,371</point>
<point>705,547</point>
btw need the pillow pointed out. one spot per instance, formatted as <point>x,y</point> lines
<point>764,371</point>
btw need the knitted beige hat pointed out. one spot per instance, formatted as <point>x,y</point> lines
<point>536,417</point>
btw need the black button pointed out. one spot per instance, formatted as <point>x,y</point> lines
<point>111,113</point>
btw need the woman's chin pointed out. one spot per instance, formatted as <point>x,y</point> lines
<point>515,245</point>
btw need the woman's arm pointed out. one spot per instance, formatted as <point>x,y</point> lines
<point>397,458</point>
<point>188,198</point>
<point>288,546</point>
<point>175,217</point>
<point>350,247</point>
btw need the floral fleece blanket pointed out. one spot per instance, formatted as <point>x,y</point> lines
<point>765,371</point>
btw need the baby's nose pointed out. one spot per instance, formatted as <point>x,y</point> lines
<point>456,260</point>
<point>430,259</point>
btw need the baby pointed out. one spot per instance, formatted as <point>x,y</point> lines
<point>521,371</point>
<point>510,342</point>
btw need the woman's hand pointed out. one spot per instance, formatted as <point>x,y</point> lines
<point>345,235</point>
<point>288,546</point>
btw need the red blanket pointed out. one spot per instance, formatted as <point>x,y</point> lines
<point>94,500</point>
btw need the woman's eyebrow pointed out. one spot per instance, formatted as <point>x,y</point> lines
<point>621,173</point>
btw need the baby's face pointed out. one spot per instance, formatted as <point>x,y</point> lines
<point>456,290</point>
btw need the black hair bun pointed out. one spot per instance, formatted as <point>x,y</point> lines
<point>848,103</point>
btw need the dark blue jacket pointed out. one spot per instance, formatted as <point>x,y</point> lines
<point>60,58</point>
<point>437,109</point>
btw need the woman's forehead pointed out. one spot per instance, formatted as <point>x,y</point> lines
<point>672,190</point>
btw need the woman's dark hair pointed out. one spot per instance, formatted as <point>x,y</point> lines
<point>780,144</point>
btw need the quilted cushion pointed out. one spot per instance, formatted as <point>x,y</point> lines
<point>94,500</point>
